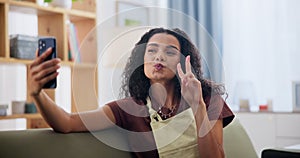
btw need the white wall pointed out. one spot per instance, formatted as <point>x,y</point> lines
<point>13,87</point>
<point>107,9</point>
<point>261,41</point>
<point>63,90</point>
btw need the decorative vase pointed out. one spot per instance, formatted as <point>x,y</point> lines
<point>67,4</point>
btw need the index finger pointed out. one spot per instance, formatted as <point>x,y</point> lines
<point>188,64</point>
<point>42,57</point>
<point>179,70</point>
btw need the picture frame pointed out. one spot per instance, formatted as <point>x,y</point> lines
<point>296,95</point>
<point>131,13</point>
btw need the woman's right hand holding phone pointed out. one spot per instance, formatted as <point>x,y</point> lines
<point>39,71</point>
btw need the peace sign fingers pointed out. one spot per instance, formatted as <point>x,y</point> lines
<point>190,86</point>
<point>188,74</point>
<point>188,64</point>
<point>179,70</point>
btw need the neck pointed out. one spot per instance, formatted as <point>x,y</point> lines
<point>163,93</point>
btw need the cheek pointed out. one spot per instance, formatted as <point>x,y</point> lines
<point>147,69</point>
<point>148,58</point>
<point>146,63</point>
<point>174,63</point>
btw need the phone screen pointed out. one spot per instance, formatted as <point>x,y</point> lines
<point>44,44</point>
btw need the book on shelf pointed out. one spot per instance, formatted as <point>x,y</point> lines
<point>73,43</point>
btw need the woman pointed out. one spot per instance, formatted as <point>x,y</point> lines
<point>170,110</point>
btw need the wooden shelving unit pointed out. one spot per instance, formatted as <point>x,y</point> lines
<point>32,120</point>
<point>53,21</point>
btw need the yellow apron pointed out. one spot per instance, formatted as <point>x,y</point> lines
<point>175,136</point>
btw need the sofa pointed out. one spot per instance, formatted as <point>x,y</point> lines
<point>45,143</point>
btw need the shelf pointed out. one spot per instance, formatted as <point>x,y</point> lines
<point>33,8</point>
<point>4,29</point>
<point>17,116</point>
<point>32,120</point>
<point>66,63</point>
<point>54,21</point>
<point>86,5</point>
<point>80,65</point>
<point>14,60</point>
<point>78,15</point>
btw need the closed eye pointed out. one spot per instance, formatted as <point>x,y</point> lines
<point>171,53</point>
<point>151,50</point>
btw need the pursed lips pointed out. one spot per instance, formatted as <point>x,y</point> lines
<point>158,66</point>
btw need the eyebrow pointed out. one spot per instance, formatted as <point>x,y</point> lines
<point>157,45</point>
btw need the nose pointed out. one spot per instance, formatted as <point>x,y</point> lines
<point>160,56</point>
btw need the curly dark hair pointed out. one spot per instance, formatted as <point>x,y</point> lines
<point>134,81</point>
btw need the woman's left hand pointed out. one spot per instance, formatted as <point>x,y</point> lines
<point>191,89</point>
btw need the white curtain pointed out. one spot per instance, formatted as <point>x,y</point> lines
<point>202,21</point>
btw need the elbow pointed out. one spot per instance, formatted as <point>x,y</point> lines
<point>61,130</point>
<point>63,127</point>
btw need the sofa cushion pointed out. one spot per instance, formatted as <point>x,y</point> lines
<point>46,143</point>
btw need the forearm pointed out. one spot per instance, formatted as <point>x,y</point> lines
<point>209,135</point>
<point>56,117</point>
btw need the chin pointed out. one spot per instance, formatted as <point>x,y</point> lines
<point>158,78</point>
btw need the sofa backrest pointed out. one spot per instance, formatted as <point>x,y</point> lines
<point>45,143</point>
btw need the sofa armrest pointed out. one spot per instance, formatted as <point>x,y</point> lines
<point>46,143</point>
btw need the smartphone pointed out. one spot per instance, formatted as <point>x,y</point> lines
<point>43,44</point>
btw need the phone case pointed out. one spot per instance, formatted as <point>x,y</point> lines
<point>44,44</point>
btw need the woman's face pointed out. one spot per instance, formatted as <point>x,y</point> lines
<point>162,55</point>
